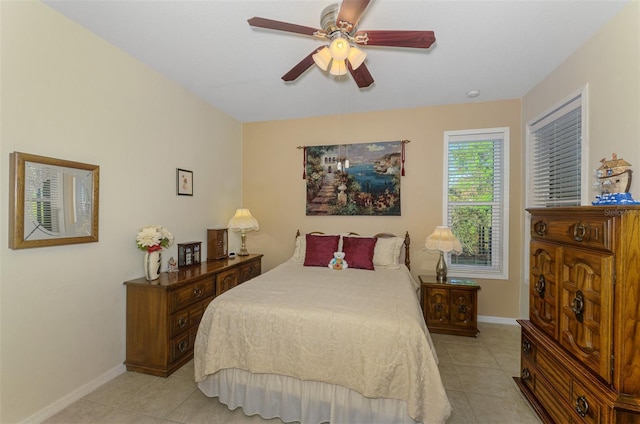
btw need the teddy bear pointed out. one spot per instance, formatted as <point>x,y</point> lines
<point>338,261</point>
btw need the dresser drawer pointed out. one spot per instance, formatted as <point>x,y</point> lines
<point>591,232</point>
<point>194,292</point>
<point>248,271</point>
<point>182,345</point>
<point>559,378</point>
<point>226,281</point>
<point>529,348</point>
<point>554,405</point>
<point>188,317</point>
<point>587,405</point>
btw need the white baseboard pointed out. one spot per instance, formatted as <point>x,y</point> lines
<point>497,320</point>
<point>79,393</point>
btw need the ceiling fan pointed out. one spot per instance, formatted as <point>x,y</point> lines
<point>339,25</point>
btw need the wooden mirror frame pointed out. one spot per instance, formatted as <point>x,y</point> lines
<point>17,201</point>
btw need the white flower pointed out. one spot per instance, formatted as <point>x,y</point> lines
<point>153,237</point>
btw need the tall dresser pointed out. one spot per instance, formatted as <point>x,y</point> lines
<point>580,356</point>
<point>163,315</point>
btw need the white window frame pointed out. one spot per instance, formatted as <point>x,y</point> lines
<point>501,255</point>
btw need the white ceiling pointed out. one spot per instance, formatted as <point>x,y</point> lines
<point>501,48</point>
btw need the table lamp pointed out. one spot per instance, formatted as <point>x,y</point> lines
<point>442,240</point>
<point>243,221</point>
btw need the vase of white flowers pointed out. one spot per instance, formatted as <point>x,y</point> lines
<point>152,239</point>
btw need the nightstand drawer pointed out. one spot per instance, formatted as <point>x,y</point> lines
<point>450,307</point>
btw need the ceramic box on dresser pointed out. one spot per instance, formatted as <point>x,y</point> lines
<point>580,359</point>
<point>163,315</point>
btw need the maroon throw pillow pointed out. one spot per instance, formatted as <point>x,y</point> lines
<point>319,251</point>
<point>358,251</point>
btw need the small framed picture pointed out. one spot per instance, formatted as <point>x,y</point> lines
<point>184,183</point>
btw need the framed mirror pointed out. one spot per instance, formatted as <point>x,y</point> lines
<point>52,201</point>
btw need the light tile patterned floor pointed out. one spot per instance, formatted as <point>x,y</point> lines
<point>477,373</point>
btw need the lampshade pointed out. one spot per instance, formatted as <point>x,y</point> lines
<point>243,221</point>
<point>322,58</point>
<point>356,57</point>
<point>442,239</point>
<point>339,49</point>
<point>338,67</point>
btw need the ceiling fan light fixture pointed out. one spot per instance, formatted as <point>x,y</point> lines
<point>338,67</point>
<point>339,49</point>
<point>356,57</point>
<point>322,58</point>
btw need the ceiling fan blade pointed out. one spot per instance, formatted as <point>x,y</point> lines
<point>300,67</point>
<point>284,26</point>
<point>361,75</point>
<point>350,12</point>
<point>417,39</point>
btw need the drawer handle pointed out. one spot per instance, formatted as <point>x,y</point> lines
<point>577,305</point>
<point>463,309</point>
<point>182,346</point>
<point>438,307</point>
<point>182,321</point>
<point>526,347</point>
<point>579,231</point>
<point>526,375</point>
<point>582,406</point>
<point>541,286</point>
<point>540,228</point>
<point>197,291</point>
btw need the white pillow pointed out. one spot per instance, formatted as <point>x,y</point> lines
<point>387,252</point>
<point>301,248</point>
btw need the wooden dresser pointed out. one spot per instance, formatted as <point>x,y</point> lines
<point>163,315</point>
<point>451,307</point>
<point>580,357</point>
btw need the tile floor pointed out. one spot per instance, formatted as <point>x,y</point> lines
<point>477,373</point>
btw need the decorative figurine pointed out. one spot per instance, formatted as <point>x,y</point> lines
<point>613,178</point>
<point>173,266</point>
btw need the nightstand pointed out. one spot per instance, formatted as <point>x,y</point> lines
<point>452,307</point>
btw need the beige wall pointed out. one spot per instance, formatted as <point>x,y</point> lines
<point>274,191</point>
<point>609,63</point>
<point>68,94</point>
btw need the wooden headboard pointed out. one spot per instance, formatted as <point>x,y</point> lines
<point>407,242</point>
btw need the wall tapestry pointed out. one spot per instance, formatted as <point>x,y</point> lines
<point>354,179</point>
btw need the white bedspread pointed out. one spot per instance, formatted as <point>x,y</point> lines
<point>359,329</point>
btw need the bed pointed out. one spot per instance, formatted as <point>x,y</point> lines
<point>308,343</point>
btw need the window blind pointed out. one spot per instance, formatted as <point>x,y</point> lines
<point>555,157</point>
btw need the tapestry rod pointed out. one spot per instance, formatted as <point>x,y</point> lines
<point>401,141</point>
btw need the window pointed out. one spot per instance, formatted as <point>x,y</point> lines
<point>556,152</point>
<point>476,199</point>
